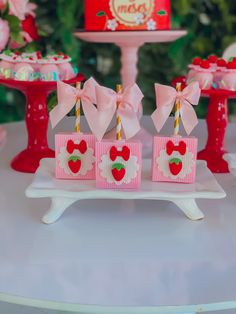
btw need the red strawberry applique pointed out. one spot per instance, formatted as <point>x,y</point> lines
<point>118,171</point>
<point>74,164</point>
<point>175,165</point>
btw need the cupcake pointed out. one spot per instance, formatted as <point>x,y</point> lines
<point>204,75</point>
<point>219,73</point>
<point>66,71</point>
<point>194,67</point>
<point>6,69</point>
<point>229,78</point>
<point>23,72</point>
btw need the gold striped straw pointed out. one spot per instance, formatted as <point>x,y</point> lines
<point>77,110</point>
<point>118,120</point>
<point>177,112</point>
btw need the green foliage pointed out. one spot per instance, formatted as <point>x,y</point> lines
<point>210,25</point>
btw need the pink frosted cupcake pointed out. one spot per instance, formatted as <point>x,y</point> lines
<point>6,69</point>
<point>194,67</point>
<point>49,72</point>
<point>229,78</point>
<point>204,75</point>
<point>23,71</point>
<point>6,64</point>
<point>66,71</point>
<point>220,72</point>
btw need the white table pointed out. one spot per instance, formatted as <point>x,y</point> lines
<point>124,256</point>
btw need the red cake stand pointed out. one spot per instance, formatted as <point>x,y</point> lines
<point>217,120</point>
<point>36,121</point>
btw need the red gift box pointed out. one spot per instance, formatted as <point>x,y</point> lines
<point>116,15</point>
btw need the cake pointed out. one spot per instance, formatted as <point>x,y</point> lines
<point>75,151</point>
<point>126,15</point>
<point>119,162</point>
<point>174,157</point>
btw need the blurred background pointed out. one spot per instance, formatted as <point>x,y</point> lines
<point>211,26</point>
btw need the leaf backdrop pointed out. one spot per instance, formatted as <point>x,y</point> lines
<point>211,26</point>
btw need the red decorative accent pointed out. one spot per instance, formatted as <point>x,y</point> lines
<point>36,121</point>
<point>71,146</point>
<point>29,26</point>
<point>197,61</point>
<point>171,147</point>
<point>74,165</point>
<point>124,153</point>
<point>212,58</point>
<point>205,64</point>
<point>118,175</point>
<point>175,168</point>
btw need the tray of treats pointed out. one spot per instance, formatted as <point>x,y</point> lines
<point>215,76</point>
<point>88,167</point>
<point>64,193</point>
<point>34,66</point>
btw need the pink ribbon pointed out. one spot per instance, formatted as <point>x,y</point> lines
<point>129,102</point>
<point>166,97</point>
<point>68,95</point>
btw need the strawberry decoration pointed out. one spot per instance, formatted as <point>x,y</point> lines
<point>175,165</point>
<point>118,171</point>
<point>74,164</point>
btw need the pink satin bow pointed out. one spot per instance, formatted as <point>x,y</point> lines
<point>166,97</point>
<point>67,96</point>
<point>129,102</point>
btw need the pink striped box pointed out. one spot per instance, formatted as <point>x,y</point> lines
<point>118,164</point>
<point>75,156</point>
<point>174,159</point>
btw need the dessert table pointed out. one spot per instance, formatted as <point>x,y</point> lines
<point>119,256</point>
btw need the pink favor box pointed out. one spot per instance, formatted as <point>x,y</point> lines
<point>118,164</point>
<point>174,159</point>
<point>75,156</point>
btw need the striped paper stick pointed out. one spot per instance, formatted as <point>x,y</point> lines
<point>177,112</point>
<point>77,111</point>
<point>118,120</point>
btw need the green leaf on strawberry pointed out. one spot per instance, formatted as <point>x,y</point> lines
<point>74,158</point>
<point>175,161</point>
<point>118,166</point>
<point>161,12</point>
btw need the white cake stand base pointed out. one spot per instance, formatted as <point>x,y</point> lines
<point>64,193</point>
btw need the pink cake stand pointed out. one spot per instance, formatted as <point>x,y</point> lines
<point>36,121</point>
<point>217,120</point>
<point>129,43</point>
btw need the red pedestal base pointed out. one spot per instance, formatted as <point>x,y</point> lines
<point>28,160</point>
<point>36,119</point>
<point>215,161</point>
<point>217,120</point>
